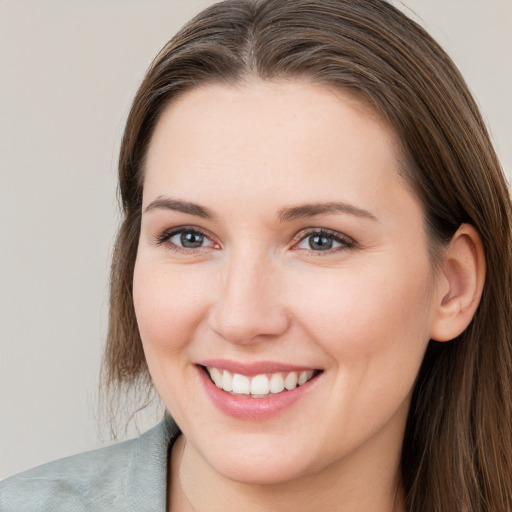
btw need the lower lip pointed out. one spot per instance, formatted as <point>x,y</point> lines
<point>252,409</point>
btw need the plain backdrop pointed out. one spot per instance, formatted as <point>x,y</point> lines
<point>68,72</point>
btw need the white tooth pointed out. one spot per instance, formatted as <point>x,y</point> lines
<point>227,381</point>
<point>241,384</point>
<point>276,383</point>
<point>290,382</point>
<point>310,374</point>
<point>303,378</point>
<point>216,376</point>
<point>260,385</point>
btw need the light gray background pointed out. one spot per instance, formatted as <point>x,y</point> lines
<point>69,69</point>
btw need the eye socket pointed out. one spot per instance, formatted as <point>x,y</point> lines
<point>185,239</point>
<point>188,239</point>
<point>324,241</point>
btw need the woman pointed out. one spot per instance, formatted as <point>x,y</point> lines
<point>313,271</point>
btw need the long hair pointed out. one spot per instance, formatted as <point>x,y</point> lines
<point>457,450</point>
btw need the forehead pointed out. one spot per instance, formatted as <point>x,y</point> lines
<point>271,103</point>
<point>302,138</point>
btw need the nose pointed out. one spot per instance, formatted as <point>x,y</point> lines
<point>248,306</point>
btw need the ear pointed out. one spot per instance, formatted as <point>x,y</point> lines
<point>460,284</point>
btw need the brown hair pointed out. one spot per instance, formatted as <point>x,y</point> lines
<point>457,451</point>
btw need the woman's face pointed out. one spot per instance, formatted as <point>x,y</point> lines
<point>278,241</point>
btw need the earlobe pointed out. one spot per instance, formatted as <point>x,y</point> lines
<point>463,277</point>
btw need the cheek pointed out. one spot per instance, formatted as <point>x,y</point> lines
<point>361,315</point>
<point>373,325</point>
<point>168,305</point>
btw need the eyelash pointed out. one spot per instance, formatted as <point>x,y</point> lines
<point>343,240</point>
<point>166,236</point>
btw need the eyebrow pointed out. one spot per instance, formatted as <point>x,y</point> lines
<point>310,210</point>
<point>285,215</point>
<point>180,206</point>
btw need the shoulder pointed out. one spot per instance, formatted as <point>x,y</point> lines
<point>79,482</point>
<point>126,476</point>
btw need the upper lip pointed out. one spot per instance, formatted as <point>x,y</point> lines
<point>253,368</point>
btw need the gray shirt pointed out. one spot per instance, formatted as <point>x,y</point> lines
<point>128,476</point>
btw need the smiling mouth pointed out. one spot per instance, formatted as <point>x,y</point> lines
<point>259,386</point>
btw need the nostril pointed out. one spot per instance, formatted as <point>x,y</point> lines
<point>245,325</point>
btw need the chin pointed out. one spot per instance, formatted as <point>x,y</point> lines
<point>257,464</point>
<point>270,473</point>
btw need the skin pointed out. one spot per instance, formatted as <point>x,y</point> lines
<point>362,312</point>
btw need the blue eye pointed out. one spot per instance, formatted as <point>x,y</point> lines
<point>189,239</point>
<point>323,241</point>
<point>184,239</point>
